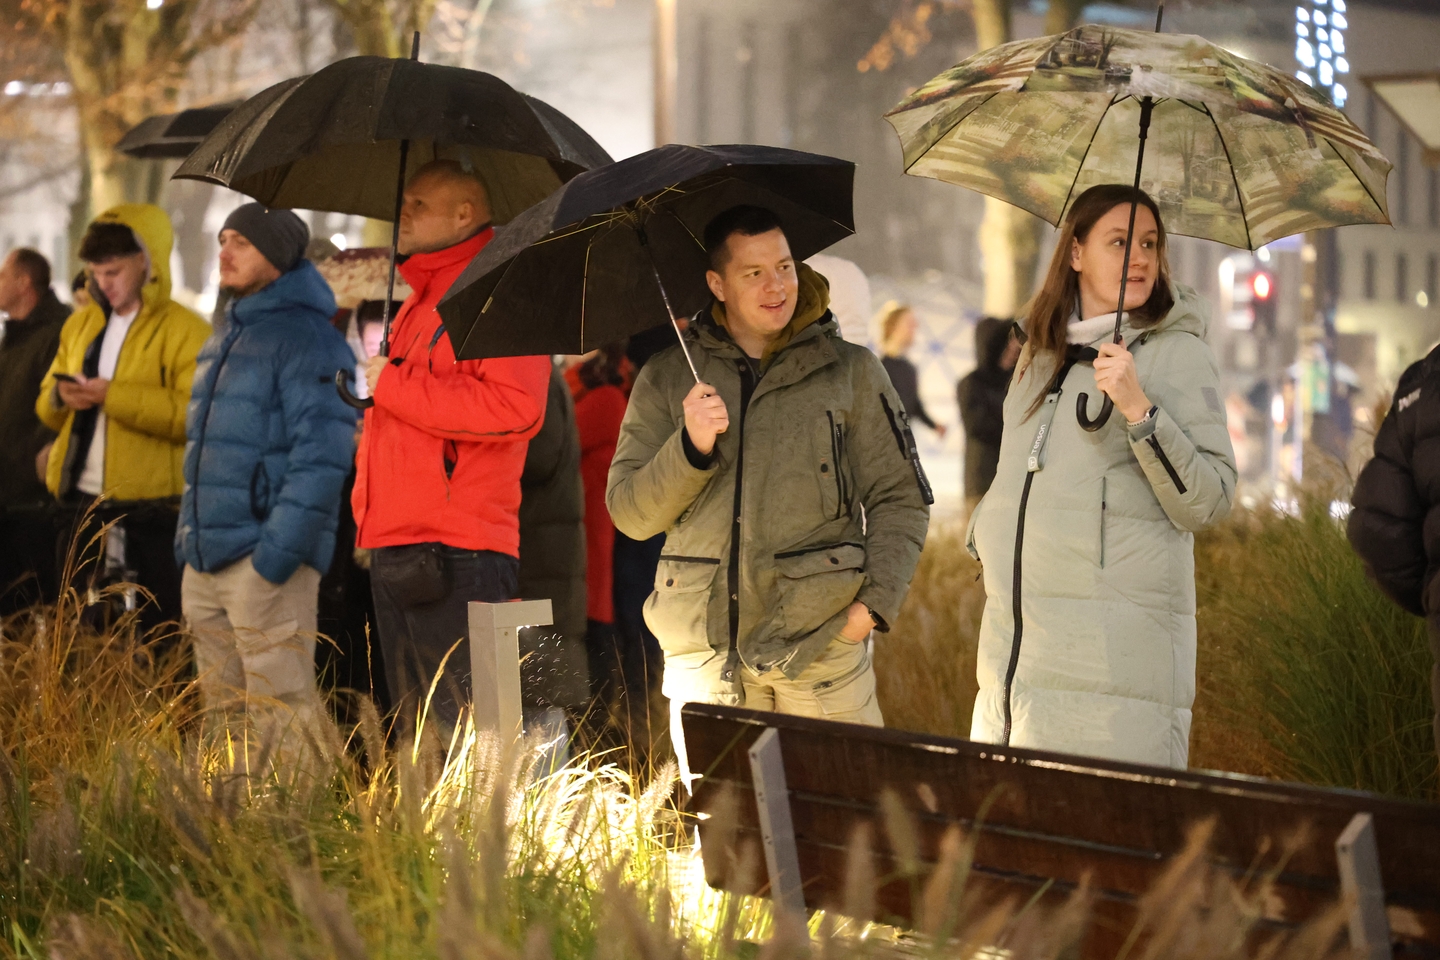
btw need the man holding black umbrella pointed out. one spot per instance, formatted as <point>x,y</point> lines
<point>786,483</point>
<point>437,490</point>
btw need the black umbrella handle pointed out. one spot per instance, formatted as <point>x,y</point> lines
<point>342,386</point>
<point>665,297</point>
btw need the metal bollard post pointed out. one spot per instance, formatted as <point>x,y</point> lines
<point>495,661</point>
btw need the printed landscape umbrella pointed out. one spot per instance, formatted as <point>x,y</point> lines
<point>342,140</point>
<point>1242,153</point>
<point>172,136</point>
<point>617,250</point>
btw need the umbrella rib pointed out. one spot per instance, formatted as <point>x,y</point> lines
<point>488,300</point>
<point>1361,179</point>
<point>948,130</point>
<point>585,289</point>
<point>1230,163</point>
<point>1086,156</point>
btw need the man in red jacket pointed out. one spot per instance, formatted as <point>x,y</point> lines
<point>437,490</point>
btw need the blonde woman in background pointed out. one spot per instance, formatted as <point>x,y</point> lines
<point>897,335</point>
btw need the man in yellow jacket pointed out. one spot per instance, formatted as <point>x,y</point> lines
<point>117,392</point>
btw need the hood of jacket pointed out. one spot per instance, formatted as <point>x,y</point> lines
<point>300,288</point>
<point>156,237</point>
<point>812,304</point>
<point>991,337</point>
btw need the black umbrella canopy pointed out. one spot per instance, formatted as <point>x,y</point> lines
<point>172,136</point>
<point>331,141</point>
<point>571,273</point>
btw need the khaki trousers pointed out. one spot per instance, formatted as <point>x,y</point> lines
<point>838,685</point>
<point>255,646</point>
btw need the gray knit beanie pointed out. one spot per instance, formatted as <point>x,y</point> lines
<point>279,235</point>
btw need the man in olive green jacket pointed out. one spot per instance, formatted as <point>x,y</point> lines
<point>786,483</point>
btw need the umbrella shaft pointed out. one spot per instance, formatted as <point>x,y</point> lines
<point>394,247</point>
<point>1146,106</point>
<point>665,297</point>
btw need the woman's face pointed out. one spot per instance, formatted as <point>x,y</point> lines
<point>1100,261</point>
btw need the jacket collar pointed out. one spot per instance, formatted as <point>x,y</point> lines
<point>300,288</point>
<point>419,269</point>
<point>808,350</point>
<point>47,307</point>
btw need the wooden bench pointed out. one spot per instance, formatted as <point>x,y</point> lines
<point>1041,822</point>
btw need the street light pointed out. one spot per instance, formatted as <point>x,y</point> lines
<point>1320,27</point>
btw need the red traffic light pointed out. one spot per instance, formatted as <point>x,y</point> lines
<point>1261,286</point>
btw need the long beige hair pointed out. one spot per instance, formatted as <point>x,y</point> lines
<point>1058,300</point>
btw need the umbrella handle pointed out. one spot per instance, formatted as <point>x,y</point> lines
<point>1082,413</point>
<point>342,386</point>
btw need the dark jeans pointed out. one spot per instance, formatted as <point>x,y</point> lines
<point>149,530</point>
<point>28,575</point>
<point>639,654</point>
<point>415,639</point>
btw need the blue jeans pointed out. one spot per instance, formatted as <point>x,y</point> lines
<point>415,639</point>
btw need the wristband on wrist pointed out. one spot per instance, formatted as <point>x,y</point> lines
<point>1149,415</point>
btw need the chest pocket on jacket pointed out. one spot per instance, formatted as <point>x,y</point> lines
<point>828,447</point>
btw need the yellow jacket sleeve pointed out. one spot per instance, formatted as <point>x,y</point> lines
<point>159,410</point>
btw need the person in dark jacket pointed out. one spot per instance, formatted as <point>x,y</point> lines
<point>554,674</point>
<point>269,444</point>
<point>34,317</point>
<point>981,394</point>
<point>1394,522</point>
<point>897,336</point>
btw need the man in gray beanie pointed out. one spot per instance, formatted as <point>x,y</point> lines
<point>269,444</point>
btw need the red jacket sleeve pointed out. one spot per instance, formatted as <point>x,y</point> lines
<point>493,400</point>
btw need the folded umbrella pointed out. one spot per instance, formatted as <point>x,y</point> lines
<point>1242,153</point>
<point>617,250</point>
<point>343,140</point>
<point>172,136</point>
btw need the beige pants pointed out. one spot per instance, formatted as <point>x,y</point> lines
<point>255,646</point>
<point>839,685</point>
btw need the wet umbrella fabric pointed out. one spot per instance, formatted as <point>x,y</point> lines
<point>331,141</point>
<point>1239,152</point>
<point>576,271</point>
<point>172,136</point>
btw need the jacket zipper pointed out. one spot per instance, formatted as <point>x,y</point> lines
<point>1165,462</point>
<point>200,440</point>
<point>1016,594</point>
<point>835,462</point>
<point>1015,610</point>
<point>748,380</point>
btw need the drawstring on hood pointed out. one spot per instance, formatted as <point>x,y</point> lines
<point>812,303</point>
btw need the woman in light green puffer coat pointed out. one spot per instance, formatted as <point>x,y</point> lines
<point>1087,645</point>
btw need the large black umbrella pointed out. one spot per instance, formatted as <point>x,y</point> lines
<point>618,250</point>
<point>343,139</point>
<point>172,136</point>
<point>333,140</point>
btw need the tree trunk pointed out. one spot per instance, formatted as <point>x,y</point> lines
<point>126,64</point>
<point>384,28</point>
<point>1010,237</point>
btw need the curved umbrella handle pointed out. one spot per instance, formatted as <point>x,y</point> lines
<point>1082,413</point>
<point>342,386</point>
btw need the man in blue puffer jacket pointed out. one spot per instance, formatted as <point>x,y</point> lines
<point>268,446</point>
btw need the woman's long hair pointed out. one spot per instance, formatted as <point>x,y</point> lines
<point>1059,299</point>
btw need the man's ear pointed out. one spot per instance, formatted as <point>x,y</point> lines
<point>716,284</point>
<point>465,211</point>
